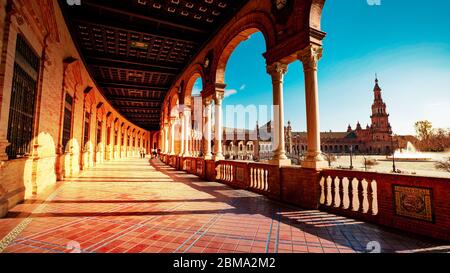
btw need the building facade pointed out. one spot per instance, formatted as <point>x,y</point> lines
<point>376,138</point>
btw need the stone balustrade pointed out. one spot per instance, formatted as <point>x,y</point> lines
<point>411,203</point>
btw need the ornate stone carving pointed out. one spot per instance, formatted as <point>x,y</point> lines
<point>207,101</point>
<point>218,97</point>
<point>310,56</point>
<point>277,71</point>
<point>282,9</point>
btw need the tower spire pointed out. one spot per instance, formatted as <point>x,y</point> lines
<point>377,87</point>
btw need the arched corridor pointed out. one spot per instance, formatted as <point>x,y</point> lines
<point>137,205</point>
<point>91,94</point>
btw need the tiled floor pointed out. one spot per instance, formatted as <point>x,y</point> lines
<point>136,206</point>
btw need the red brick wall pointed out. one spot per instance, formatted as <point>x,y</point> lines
<point>21,178</point>
<point>300,187</point>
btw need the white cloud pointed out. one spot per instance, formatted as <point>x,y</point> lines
<point>230,92</point>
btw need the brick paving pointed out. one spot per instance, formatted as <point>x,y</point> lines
<point>136,206</point>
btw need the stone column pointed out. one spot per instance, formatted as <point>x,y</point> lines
<point>310,57</point>
<point>125,144</point>
<point>162,139</point>
<point>166,138</point>
<point>172,135</point>
<point>207,133</point>
<point>104,140</point>
<point>182,133</point>
<point>194,143</point>
<point>277,71</point>
<point>187,132</point>
<point>218,97</point>
<point>119,141</point>
<point>109,143</point>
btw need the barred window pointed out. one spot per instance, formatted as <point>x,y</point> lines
<point>67,127</point>
<point>23,99</point>
<point>99,132</point>
<point>87,122</point>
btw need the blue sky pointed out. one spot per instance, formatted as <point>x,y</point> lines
<point>407,42</point>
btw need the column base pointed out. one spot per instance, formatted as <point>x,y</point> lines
<point>219,157</point>
<point>208,157</point>
<point>280,162</point>
<point>313,163</point>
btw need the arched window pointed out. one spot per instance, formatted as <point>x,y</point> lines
<point>23,97</point>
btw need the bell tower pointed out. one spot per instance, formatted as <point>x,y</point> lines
<point>379,117</point>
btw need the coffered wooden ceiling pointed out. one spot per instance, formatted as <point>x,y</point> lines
<point>134,49</point>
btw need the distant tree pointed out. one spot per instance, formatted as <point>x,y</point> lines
<point>423,129</point>
<point>329,158</point>
<point>439,140</point>
<point>443,165</point>
<point>432,139</point>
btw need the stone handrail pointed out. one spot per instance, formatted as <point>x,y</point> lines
<point>412,203</point>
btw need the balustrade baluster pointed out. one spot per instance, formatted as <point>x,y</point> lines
<point>342,193</point>
<point>258,171</point>
<point>351,204</point>
<point>370,197</point>
<point>361,196</point>
<point>266,179</point>
<point>322,191</point>
<point>326,189</point>
<point>227,174</point>
<point>333,192</point>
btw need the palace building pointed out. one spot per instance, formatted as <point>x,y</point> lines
<point>375,138</point>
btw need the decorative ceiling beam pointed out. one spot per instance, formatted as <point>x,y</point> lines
<point>134,69</point>
<point>132,99</point>
<point>120,27</point>
<point>132,86</point>
<point>141,112</point>
<point>99,61</point>
<point>143,17</point>
<point>137,107</point>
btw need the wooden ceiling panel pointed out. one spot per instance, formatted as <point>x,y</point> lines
<point>135,49</point>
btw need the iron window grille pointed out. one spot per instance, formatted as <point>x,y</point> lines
<point>67,126</point>
<point>87,122</point>
<point>23,100</point>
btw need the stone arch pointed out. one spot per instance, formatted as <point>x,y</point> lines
<point>241,31</point>
<point>89,101</point>
<point>174,102</point>
<point>197,72</point>
<point>315,14</point>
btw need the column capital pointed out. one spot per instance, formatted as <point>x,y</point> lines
<point>310,56</point>
<point>218,97</point>
<point>207,101</point>
<point>277,69</point>
<point>172,121</point>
